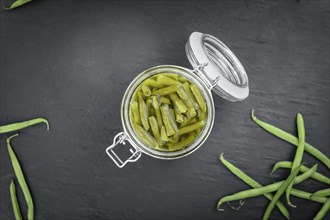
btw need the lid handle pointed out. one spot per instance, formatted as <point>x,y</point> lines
<point>120,138</point>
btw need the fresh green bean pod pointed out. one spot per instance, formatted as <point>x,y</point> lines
<point>291,139</point>
<point>199,97</point>
<point>322,192</point>
<point>266,189</point>
<point>17,3</point>
<point>143,110</point>
<point>20,178</point>
<point>308,196</point>
<point>178,103</point>
<point>145,136</point>
<point>190,128</point>
<point>155,129</point>
<point>288,164</point>
<point>323,211</point>
<point>299,154</point>
<point>181,144</point>
<point>14,201</point>
<point>21,125</point>
<point>254,184</point>
<point>163,135</point>
<point>166,81</point>
<point>146,90</point>
<point>165,91</point>
<point>170,125</point>
<point>279,192</point>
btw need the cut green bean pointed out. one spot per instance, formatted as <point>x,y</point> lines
<point>135,111</point>
<point>149,104</point>
<point>171,75</point>
<point>17,4</point>
<point>165,100</point>
<point>163,134</point>
<point>199,97</point>
<point>165,91</point>
<point>21,125</point>
<point>288,164</point>
<point>191,96</point>
<point>146,90</point>
<point>182,79</point>
<point>166,81</point>
<point>156,105</point>
<point>151,83</point>
<point>14,201</point>
<point>190,128</point>
<point>299,154</point>
<point>252,183</point>
<point>145,136</point>
<point>279,192</point>
<point>155,129</point>
<point>178,103</point>
<point>143,110</point>
<point>182,144</point>
<point>187,101</point>
<point>266,189</point>
<point>308,196</point>
<point>170,125</point>
<point>178,116</point>
<point>322,192</point>
<point>323,211</point>
<point>292,139</point>
<point>20,178</point>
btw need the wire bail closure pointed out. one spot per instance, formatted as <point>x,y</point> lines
<point>120,138</point>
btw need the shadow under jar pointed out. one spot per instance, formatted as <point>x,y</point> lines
<point>215,68</point>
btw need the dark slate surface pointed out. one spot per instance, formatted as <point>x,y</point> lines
<point>71,61</point>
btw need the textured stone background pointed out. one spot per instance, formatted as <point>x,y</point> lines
<point>71,61</point>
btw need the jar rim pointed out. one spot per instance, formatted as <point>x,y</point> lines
<point>128,129</point>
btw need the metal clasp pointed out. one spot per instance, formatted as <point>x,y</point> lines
<point>210,83</point>
<point>120,138</point>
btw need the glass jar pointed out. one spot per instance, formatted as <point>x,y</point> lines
<point>215,68</point>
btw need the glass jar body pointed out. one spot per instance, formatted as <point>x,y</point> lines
<point>128,129</point>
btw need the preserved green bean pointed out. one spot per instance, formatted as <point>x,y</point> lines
<point>164,112</point>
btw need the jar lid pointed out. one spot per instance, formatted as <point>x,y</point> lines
<point>218,67</point>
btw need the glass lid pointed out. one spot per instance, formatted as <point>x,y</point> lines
<point>218,67</point>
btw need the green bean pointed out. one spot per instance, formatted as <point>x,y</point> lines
<point>323,211</point>
<point>143,110</point>
<point>187,88</point>
<point>192,127</point>
<point>292,139</point>
<point>174,139</point>
<point>151,83</point>
<point>145,136</point>
<point>288,164</point>
<point>308,196</point>
<point>171,75</point>
<point>14,201</point>
<point>199,97</point>
<point>149,103</point>
<point>254,184</point>
<point>17,3</point>
<point>182,79</point>
<point>165,91</point>
<point>181,144</point>
<point>165,100</point>
<point>134,106</point>
<point>163,135</point>
<point>266,189</point>
<point>280,191</point>
<point>155,105</point>
<point>178,103</point>
<point>178,116</point>
<point>146,90</point>
<point>155,129</point>
<point>170,125</point>
<point>166,81</point>
<point>187,101</point>
<point>172,113</point>
<point>299,153</point>
<point>201,116</point>
<point>21,125</point>
<point>322,192</point>
<point>20,178</point>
